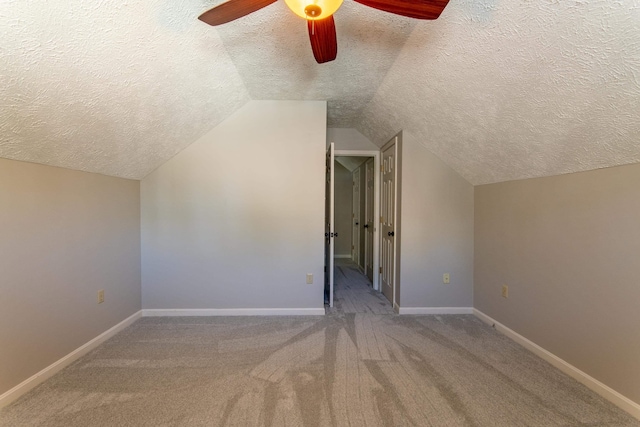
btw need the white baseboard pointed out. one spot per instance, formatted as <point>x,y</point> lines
<point>435,310</point>
<point>603,390</point>
<point>175,312</point>
<point>28,384</point>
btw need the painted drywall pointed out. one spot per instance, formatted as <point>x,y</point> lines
<point>223,233</point>
<point>567,247</point>
<point>349,139</point>
<point>343,187</point>
<point>436,236</point>
<point>65,235</point>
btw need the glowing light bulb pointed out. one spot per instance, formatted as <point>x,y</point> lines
<point>314,9</point>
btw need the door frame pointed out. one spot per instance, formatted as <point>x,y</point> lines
<point>376,205</point>
<point>330,185</point>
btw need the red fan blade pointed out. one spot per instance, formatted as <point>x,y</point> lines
<point>420,9</point>
<point>232,9</point>
<point>322,34</point>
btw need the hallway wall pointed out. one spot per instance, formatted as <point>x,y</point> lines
<point>343,210</point>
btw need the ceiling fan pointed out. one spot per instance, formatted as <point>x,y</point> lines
<point>319,16</point>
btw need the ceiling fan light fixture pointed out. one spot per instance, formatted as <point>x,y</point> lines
<point>314,10</point>
<point>319,16</point>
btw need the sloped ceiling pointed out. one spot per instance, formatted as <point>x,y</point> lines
<point>351,163</point>
<point>498,90</point>
<point>114,87</point>
<point>503,90</point>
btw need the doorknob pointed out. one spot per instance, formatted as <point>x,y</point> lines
<point>391,233</point>
<point>357,223</point>
<point>366,226</point>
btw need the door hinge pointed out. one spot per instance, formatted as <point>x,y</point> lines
<point>381,168</point>
<point>352,247</point>
<point>380,270</point>
<point>381,219</point>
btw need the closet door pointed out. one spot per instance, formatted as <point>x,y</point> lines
<point>387,221</point>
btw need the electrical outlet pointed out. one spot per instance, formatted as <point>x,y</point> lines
<point>100,296</point>
<point>505,291</point>
<point>446,278</point>
<point>309,279</point>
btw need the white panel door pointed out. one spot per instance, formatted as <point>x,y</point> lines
<point>329,228</point>
<point>368,219</point>
<point>355,218</point>
<point>387,222</point>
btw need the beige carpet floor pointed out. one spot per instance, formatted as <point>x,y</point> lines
<point>342,369</point>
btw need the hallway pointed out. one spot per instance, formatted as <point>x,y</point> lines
<point>353,292</point>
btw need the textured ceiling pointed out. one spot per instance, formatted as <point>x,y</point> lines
<point>272,53</point>
<point>113,87</point>
<point>499,90</point>
<point>503,90</point>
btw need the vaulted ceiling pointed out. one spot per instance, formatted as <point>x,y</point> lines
<point>499,90</point>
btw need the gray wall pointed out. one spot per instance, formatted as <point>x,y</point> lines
<point>343,187</point>
<point>236,220</point>
<point>65,235</point>
<point>436,234</point>
<point>568,248</point>
<point>349,139</point>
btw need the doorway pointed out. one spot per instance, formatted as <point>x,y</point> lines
<point>356,204</point>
